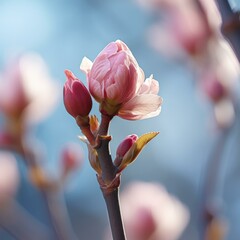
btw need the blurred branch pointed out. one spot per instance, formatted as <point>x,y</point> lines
<point>208,206</point>
<point>50,191</point>
<point>230,25</point>
<point>59,215</point>
<point>20,224</point>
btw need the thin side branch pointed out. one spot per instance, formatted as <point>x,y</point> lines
<point>230,25</point>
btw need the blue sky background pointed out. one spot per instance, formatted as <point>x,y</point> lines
<point>63,32</point>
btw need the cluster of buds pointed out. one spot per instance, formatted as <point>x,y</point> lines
<point>115,81</point>
<point>118,84</point>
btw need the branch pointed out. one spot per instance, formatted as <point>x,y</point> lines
<point>20,224</point>
<point>109,181</point>
<point>55,204</point>
<point>231,25</point>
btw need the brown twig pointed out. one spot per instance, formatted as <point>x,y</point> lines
<point>109,181</point>
<point>211,175</point>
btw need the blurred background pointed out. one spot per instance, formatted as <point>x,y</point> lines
<point>62,33</point>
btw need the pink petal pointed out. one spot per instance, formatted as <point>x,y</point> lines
<point>86,65</point>
<point>96,90</point>
<point>124,87</point>
<point>150,85</point>
<point>141,107</point>
<point>141,77</point>
<point>109,50</point>
<point>122,46</point>
<point>100,68</point>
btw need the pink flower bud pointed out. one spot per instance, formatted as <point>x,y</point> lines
<point>114,75</point>
<point>213,88</point>
<point>123,147</point>
<point>72,157</point>
<point>117,82</point>
<point>77,99</point>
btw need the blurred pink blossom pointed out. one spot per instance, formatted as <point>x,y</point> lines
<point>185,28</point>
<point>9,177</point>
<point>117,82</point>
<point>151,213</point>
<point>219,73</point>
<point>212,87</point>
<point>26,88</point>
<point>221,60</point>
<point>192,30</point>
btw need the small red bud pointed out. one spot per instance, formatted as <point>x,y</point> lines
<point>77,99</point>
<point>125,145</point>
<point>71,157</point>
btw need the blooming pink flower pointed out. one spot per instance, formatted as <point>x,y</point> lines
<point>77,99</point>
<point>117,82</point>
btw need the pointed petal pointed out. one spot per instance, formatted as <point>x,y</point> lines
<point>86,65</point>
<point>110,49</point>
<point>150,85</point>
<point>141,107</point>
<point>69,74</point>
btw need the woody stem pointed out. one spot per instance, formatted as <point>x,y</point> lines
<point>109,181</point>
